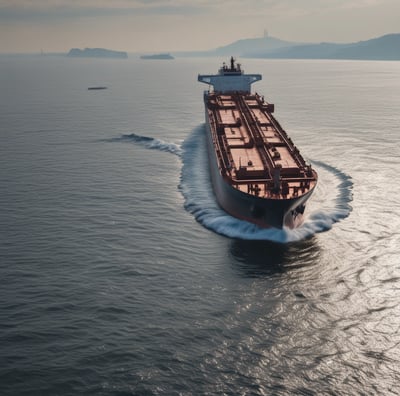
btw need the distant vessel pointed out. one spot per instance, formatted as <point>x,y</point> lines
<point>157,56</point>
<point>258,174</point>
<point>96,88</point>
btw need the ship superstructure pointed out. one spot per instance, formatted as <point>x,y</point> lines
<point>258,174</point>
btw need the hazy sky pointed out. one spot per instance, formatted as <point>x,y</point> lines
<point>169,25</point>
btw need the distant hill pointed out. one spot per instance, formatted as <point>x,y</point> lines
<point>382,48</point>
<point>244,48</point>
<point>250,47</point>
<point>96,53</point>
<point>305,51</point>
<point>385,48</point>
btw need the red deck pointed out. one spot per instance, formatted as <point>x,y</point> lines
<point>255,155</point>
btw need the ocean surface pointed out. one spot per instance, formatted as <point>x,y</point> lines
<point>121,276</point>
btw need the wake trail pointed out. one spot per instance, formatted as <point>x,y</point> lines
<point>329,204</point>
<point>149,143</point>
<point>325,208</point>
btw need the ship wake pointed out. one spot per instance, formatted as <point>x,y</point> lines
<point>330,203</point>
<point>149,143</point>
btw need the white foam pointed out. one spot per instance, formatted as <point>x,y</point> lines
<point>152,143</point>
<point>329,207</point>
<point>329,204</point>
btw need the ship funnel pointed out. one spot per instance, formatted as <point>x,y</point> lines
<point>232,63</point>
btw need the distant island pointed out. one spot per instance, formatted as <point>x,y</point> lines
<point>157,56</point>
<point>96,53</point>
<point>382,48</point>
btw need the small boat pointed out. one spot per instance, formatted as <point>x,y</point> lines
<point>96,88</point>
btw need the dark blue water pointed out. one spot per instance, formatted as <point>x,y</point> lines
<point>121,276</point>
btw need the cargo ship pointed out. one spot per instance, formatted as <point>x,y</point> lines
<point>258,174</point>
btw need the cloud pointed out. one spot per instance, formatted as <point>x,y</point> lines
<point>188,24</point>
<point>23,9</point>
<point>40,9</point>
<point>183,6</point>
<point>356,4</point>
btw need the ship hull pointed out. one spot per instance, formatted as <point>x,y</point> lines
<point>257,172</point>
<point>264,212</point>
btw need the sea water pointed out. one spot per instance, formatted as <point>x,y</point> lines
<point>120,275</point>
